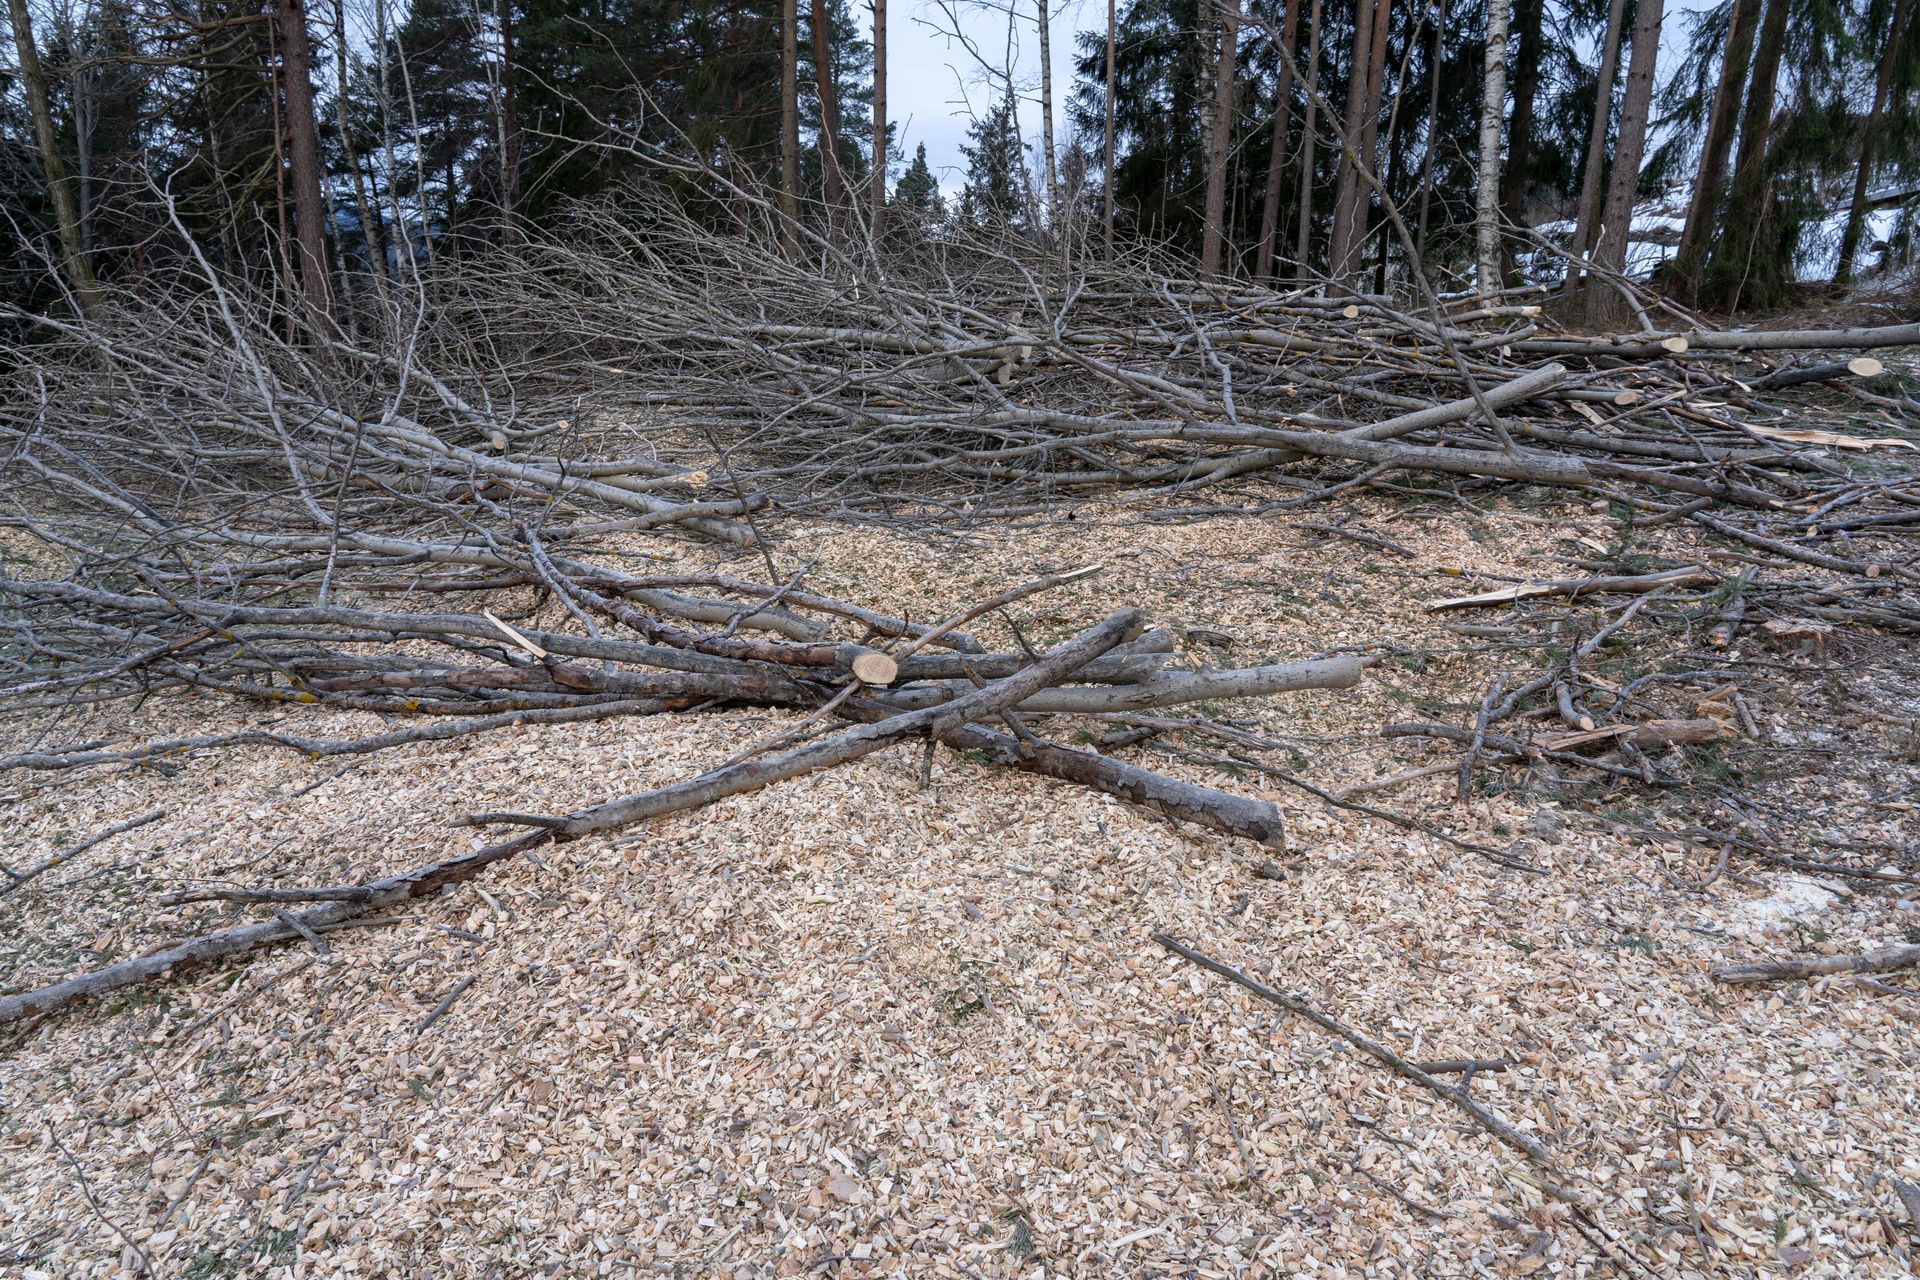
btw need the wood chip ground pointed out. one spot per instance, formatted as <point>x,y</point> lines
<point>850,1027</point>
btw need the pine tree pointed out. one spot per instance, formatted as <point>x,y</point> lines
<point>441,43</point>
<point>1220,144</point>
<point>304,174</point>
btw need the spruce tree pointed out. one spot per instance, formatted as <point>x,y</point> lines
<point>917,188</point>
<point>993,195</point>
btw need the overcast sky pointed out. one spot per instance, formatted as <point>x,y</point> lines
<point>931,77</point>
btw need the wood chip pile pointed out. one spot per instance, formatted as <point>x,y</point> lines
<point>837,802</point>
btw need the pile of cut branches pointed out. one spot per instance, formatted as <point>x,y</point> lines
<point>212,497</point>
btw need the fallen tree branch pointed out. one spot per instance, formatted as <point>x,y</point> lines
<point>1577,587</point>
<point>18,878</point>
<point>1886,960</point>
<point>1163,691</point>
<point>1392,1061</point>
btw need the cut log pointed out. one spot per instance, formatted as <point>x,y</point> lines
<point>875,668</point>
<point>1234,815</point>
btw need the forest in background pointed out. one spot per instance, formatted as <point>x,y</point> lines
<point>1271,141</point>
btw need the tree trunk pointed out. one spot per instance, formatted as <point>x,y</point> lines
<point>1395,160</point>
<point>828,95</point>
<point>879,191</point>
<point>1704,205</point>
<point>1526,89</point>
<point>510,119</point>
<point>1305,229</point>
<point>1277,152</point>
<point>1432,145</point>
<point>66,215</point>
<point>1610,254</point>
<point>1221,144</point>
<point>369,225</point>
<point>80,86</point>
<point>1738,250</point>
<point>1493,106</point>
<point>1583,227</point>
<point>1044,21</point>
<point>1346,188</point>
<point>1111,26</point>
<point>303,154</point>
<point>1370,131</point>
<point>790,110</point>
<point>1857,211</point>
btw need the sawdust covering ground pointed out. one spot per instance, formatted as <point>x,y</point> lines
<point>848,1026</point>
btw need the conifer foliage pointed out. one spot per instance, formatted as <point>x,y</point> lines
<point>336,141</point>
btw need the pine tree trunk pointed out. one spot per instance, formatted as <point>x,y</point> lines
<point>790,111</point>
<point>1432,145</point>
<point>1370,131</point>
<point>1493,106</point>
<point>1221,142</point>
<point>1583,227</point>
<point>1304,232</point>
<point>1857,211</point>
<point>1045,23</point>
<point>879,191</point>
<point>1704,205</point>
<point>67,217</point>
<point>1112,25</point>
<point>303,154</point>
<point>1346,188</point>
<point>1616,226</point>
<point>1277,152</point>
<point>828,96</point>
<point>1526,89</point>
<point>1738,258</point>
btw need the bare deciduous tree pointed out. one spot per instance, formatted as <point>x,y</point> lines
<point>1493,107</point>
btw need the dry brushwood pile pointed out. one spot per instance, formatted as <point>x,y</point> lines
<point>681,755</point>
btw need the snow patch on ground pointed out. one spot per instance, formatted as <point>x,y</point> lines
<point>1794,900</point>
